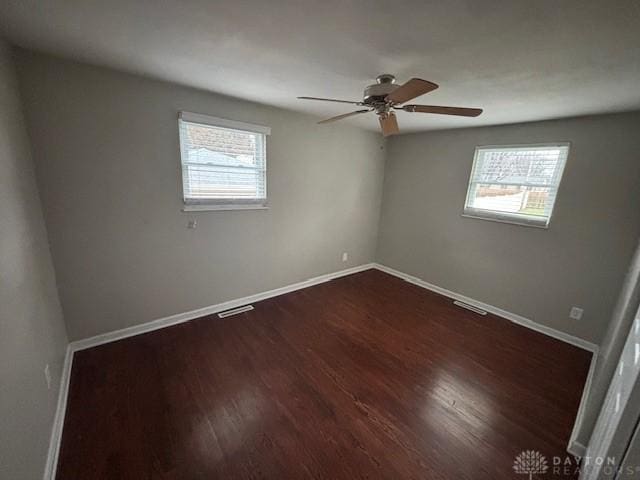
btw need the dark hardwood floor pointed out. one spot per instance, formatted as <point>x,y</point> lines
<point>366,376</point>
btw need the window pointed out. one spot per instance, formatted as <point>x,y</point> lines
<point>224,163</point>
<point>516,184</point>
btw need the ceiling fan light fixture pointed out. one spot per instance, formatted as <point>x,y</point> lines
<point>385,96</point>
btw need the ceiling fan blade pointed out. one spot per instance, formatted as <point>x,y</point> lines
<point>330,100</point>
<point>412,89</point>
<point>463,112</point>
<point>344,115</point>
<point>389,124</point>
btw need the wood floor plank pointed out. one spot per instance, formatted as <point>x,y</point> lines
<point>366,376</point>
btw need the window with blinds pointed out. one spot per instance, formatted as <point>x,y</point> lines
<point>224,163</point>
<point>516,184</point>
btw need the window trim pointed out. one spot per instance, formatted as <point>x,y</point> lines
<point>209,207</point>
<point>192,205</point>
<point>513,218</point>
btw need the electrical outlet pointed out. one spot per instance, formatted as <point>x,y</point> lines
<point>576,313</point>
<point>345,256</point>
<point>47,376</point>
<point>192,224</point>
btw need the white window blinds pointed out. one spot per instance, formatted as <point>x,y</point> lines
<point>224,162</point>
<point>516,184</point>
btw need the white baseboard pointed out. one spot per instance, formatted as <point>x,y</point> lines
<point>58,419</point>
<point>515,318</point>
<point>56,435</point>
<point>58,423</point>
<point>574,447</point>
<point>201,312</point>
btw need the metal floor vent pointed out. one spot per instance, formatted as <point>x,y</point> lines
<point>235,311</point>
<point>477,310</point>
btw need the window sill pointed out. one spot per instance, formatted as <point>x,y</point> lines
<point>214,208</point>
<point>506,219</point>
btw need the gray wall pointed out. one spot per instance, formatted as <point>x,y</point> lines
<point>106,149</point>
<point>107,159</point>
<point>32,332</point>
<point>580,260</point>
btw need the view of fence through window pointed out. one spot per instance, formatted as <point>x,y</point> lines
<point>520,183</point>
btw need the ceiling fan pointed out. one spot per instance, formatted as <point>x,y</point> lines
<point>385,96</point>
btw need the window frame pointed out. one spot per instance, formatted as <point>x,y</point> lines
<point>515,218</point>
<point>207,204</point>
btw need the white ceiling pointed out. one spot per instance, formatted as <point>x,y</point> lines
<point>520,60</point>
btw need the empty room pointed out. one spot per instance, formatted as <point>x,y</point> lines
<point>320,240</point>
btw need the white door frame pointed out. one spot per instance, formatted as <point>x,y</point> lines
<point>619,414</point>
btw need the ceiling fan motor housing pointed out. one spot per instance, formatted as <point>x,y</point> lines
<point>377,92</point>
<point>384,97</point>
